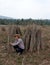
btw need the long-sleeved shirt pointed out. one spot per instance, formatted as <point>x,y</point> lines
<point>19,42</point>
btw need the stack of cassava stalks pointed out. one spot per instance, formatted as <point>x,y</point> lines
<point>33,39</point>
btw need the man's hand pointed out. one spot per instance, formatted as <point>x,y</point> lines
<point>10,43</point>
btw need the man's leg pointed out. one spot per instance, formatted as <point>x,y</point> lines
<point>20,50</point>
<point>16,48</point>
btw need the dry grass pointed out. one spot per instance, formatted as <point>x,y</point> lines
<point>43,58</point>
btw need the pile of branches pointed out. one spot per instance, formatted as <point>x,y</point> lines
<point>33,39</point>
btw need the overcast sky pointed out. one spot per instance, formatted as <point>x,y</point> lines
<point>36,9</point>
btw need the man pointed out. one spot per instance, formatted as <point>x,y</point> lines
<point>18,44</point>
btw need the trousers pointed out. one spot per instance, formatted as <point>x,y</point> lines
<point>18,49</point>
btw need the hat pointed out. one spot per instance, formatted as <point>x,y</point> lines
<point>18,35</point>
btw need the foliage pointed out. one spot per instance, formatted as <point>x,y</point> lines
<point>24,21</point>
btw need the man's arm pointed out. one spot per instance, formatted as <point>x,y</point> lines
<point>13,44</point>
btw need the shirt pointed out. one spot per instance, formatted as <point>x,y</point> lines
<point>19,42</point>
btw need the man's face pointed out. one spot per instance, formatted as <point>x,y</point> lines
<point>16,38</point>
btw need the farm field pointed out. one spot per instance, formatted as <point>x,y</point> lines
<point>6,58</point>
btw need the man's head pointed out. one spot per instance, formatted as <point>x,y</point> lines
<point>17,36</point>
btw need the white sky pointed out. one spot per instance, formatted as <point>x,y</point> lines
<point>36,9</point>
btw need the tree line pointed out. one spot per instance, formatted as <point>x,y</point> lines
<point>24,21</point>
